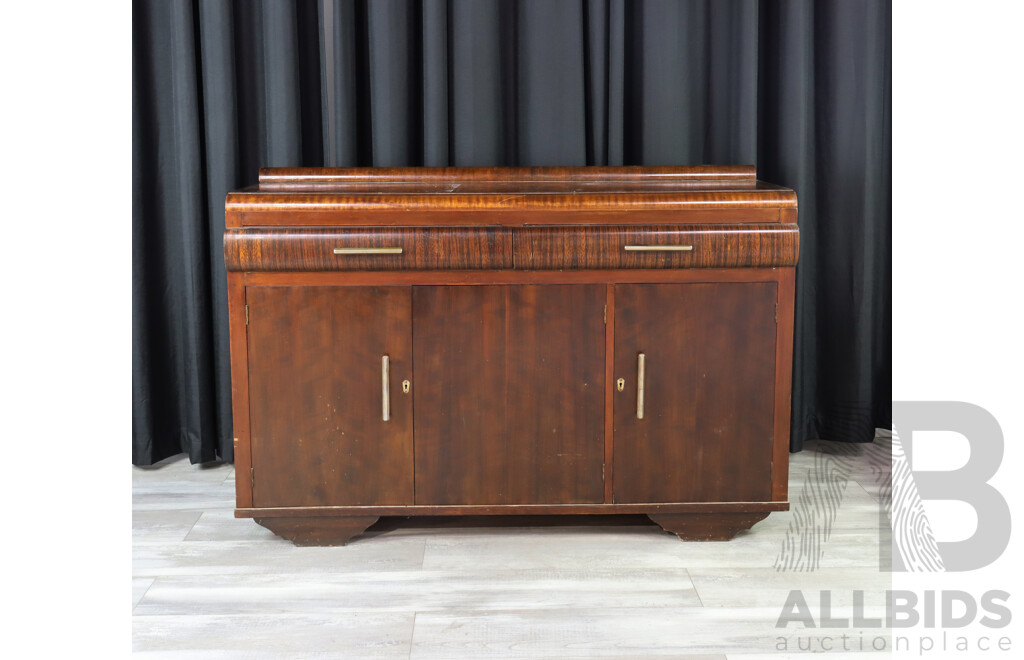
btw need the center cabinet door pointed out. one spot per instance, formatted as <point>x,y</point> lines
<point>708,379</point>
<point>316,392</point>
<point>509,394</point>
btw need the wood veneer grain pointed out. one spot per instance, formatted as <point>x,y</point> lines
<point>460,356</point>
<point>555,397</point>
<point>486,355</point>
<point>239,349</point>
<point>308,249</point>
<point>707,431</point>
<point>251,212</point>
<point>710,508</point>
<point>481,277</point>
<point>318,434</point>
<point>270,177</point>
<point>785,317</point>
<point>711,246</point>
<point>518,201</point>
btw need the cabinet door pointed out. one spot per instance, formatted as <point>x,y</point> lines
<point>509,394</point>
<point>316,376</point>
<point>708,391</point>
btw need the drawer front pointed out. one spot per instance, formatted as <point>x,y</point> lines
<point>383,248</point>
<point>687,246</point>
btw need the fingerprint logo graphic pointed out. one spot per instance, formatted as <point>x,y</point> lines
<point>912,535</point>
<point>906,538</point>
<point>817,504</point>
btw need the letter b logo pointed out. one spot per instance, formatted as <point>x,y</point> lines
<point>967,484</point>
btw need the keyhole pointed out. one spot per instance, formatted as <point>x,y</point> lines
<point>620,384</point>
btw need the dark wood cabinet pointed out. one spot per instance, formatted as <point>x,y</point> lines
<point>436,341</point>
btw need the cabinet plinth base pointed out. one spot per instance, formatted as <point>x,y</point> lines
<point>706,526</point>
<point>318,530</point>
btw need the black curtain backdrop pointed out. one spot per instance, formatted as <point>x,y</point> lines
<point>219,89</point>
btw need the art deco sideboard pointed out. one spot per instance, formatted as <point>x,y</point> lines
<point>446,341</point>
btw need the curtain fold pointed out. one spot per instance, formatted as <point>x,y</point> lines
<point>220,88</point>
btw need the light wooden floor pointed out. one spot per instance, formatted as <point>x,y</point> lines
<point>207,585</point>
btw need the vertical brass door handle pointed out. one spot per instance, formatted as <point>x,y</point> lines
<point>640,386</point>
<point>385,368</point>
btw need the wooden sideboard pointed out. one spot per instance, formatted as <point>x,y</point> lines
<point>439,341</point>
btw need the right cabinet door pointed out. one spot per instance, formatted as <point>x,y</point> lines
<point>704,357</point>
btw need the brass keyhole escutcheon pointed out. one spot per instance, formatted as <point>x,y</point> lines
<point>620,384</point>
<point>405,386</point>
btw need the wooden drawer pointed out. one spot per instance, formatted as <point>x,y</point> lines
<point>376,248</point>
<point>685,246</point>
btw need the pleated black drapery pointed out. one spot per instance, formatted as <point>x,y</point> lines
<point>801,89</point>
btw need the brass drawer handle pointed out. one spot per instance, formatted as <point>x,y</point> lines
<point>658,248</point>
<point>385,376</point>
<point>382,250</point>
<point>640,359</point>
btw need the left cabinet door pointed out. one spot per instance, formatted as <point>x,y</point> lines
<point>317,395</point>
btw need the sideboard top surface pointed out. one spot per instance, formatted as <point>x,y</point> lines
<point>505,195</point>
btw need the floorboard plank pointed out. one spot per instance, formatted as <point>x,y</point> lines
<point>419,591</point>
<point>641,632</point>
<point>337,635</point>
